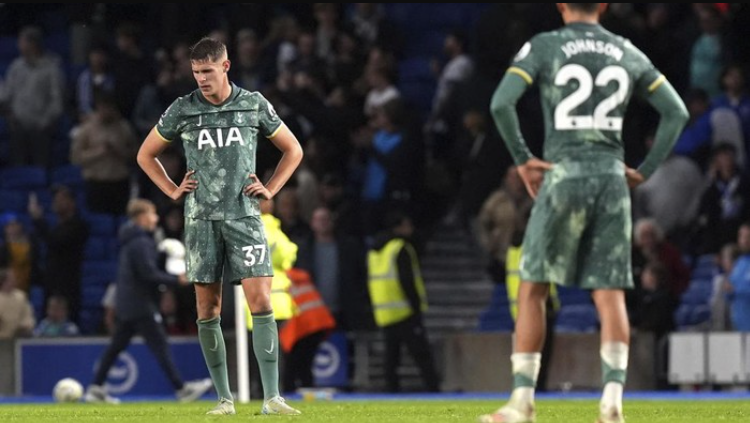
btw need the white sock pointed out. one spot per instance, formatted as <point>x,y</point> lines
<point>527,365</point>
<point>615,356</point>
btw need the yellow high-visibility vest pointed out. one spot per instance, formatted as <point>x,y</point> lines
<point>513,281</point>
<point>389,303</point>
<point>283,254</point>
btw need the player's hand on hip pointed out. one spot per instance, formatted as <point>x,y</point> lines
<point>187,186</point>
<point>257,189</point>
<point>633,177</point>
<point>532,174</point>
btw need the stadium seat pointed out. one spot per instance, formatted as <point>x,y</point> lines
<point>573,296</point>
<point>69,175</point>
<point>23,177</point>
<point>496,317</point>
<point>99,272</point>
<point>101,224</point>
<point>13,201</point>
<point>577,318</point>
<point>696,294</point>
<point>98,248</point>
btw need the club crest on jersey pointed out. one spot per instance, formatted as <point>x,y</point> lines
<point>214,138</point>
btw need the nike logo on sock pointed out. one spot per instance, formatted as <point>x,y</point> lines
<point>216,344</point>
<point>271,350</point>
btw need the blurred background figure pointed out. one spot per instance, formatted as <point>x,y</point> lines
<point>399,300</point>
<point>33,100</point>
<point>57,323</point>
<point>16,314</point>
<point>19,251</point>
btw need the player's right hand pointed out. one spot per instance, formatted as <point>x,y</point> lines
<point>532,174</point>
<point>187,186</point>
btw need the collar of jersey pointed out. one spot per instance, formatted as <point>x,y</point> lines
<point>203,100</point>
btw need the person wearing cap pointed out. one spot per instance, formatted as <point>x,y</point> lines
<point>137,305</point>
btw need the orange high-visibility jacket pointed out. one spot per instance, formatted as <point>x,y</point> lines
<point>311,315</point>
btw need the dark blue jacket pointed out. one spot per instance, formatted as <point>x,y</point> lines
<point>138,274</point>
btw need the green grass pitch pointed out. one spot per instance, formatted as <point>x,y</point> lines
<point>380,411</point>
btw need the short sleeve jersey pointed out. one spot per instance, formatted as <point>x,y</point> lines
<point>220,143</point>
<point>586,76</point>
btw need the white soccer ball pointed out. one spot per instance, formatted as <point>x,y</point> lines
<point>67,390</point>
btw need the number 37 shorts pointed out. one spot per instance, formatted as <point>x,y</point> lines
<point>226,250</point>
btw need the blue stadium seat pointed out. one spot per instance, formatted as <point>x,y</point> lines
<point>577,318</point>
<point>700,314</point>
<point>69,175</point>
<point>415,69</point>
<point>696,294</point>
<point>98,248</point>
<point>99,272</point>
<point>682,316</point>
<point>91,320</point>
<point>92,296</point>
<point>101,224</point>
<point>496,317</point>
<point>13,201</point>
<point>8,49</point>
<point>24,177</point>
<point>573,296</point>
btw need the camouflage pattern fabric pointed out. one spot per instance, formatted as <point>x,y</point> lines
<point>226,250</point>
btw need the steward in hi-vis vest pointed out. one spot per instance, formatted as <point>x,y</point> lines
<point>399,298</point>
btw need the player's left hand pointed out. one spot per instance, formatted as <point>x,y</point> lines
<point>257,189</point>
<point>633,177</point>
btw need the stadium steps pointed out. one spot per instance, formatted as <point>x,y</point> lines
<point>458,290</point>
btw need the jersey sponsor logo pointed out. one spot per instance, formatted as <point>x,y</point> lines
<point>214,138</point>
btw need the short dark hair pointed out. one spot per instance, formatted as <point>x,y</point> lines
<point>584,7</point>
<point>207,48</point>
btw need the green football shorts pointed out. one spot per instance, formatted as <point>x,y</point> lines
<point>579,232</point>
<point>226,250</point>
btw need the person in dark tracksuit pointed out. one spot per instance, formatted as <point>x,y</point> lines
<point>398,299</point>
<point>137,305</point>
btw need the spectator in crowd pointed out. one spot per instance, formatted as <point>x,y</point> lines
<point>725,204</point>
<point>444,119</point>
<point>381,89</point>
<point>174,324</point>
<point>336,262</point>
<point>57,323</point>
<point>393,164</point>
<point>287,210</point>
<point>651,245</point>
<point>19,251</point>
<point>342,204</point>
<point>131,67</point>
<point>671,196</point>
<point>480,154</point>
<point>95,78</point>
<point>137,305</point>
<point>248,70</point>
<point>740,291</point>
<point>502,215</point>
<point>654,313</point>
<point>16,313</point>
<point>65,242</point>
<point>707,51</point>
<point>721,319</point>
<point>33,100</point>
<point>399,300</point>
<point>105,146</point>
<point>730,112</point>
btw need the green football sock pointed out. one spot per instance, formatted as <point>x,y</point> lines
<point>266,348</point>
<point>215,353</point>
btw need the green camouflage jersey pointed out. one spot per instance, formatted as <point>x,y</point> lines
<point>220,143</point>
<point>586,76</point>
